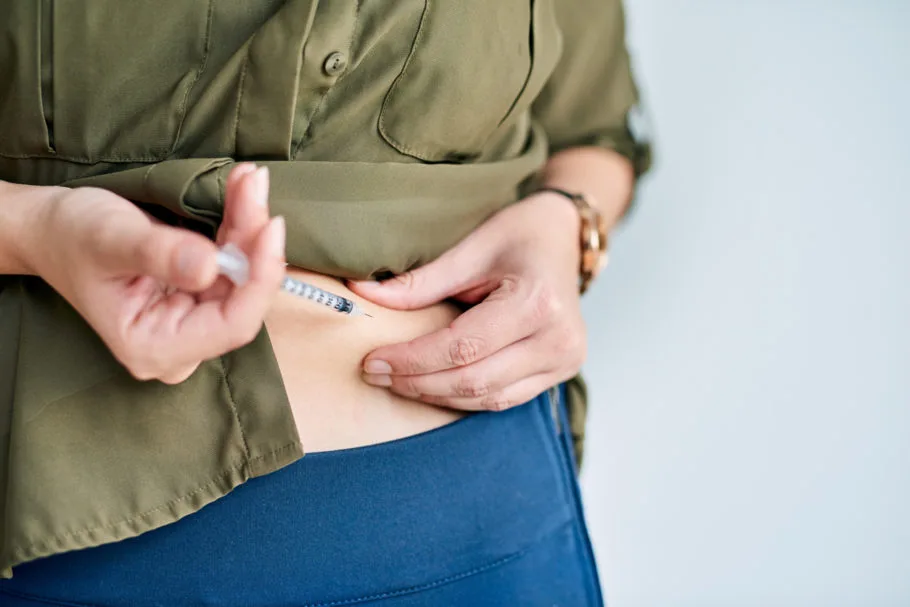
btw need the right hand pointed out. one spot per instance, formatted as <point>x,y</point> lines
<point>151,291</point>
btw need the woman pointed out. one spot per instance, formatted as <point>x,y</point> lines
<point>154,415</point>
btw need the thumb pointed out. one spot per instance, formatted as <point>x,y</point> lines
<point>457,270</point>
<point>174,256</point>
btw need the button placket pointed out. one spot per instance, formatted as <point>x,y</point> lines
<point>335,64</point>
<point>327,56</point>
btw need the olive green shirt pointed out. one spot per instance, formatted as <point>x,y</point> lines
<point>391,130</point>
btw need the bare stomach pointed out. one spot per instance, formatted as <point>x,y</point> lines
<point>320,353</point>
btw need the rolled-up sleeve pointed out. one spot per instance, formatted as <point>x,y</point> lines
<point>592,98</point>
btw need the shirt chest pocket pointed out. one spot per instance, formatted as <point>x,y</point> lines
<point>113,77</point>
<point>474,65</point>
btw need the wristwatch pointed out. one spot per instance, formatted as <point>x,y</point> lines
<point>593,237</point>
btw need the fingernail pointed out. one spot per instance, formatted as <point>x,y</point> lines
<point>245,168</point>
<point>383,381</point>
<point>277,237</point>
<point>370,284</point>
<point>261,182</point>
<point>377,367</point>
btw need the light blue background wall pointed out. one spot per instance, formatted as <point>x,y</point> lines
<point>750,432</point>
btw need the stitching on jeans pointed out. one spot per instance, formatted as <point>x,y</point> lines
<point>570,484</point>
<point>173,502</point>
<point>341,602</point>
<point>45,601</point>
<point>442,581</point>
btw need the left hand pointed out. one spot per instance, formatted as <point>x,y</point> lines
<point>526,332</point>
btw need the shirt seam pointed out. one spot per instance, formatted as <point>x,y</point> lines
<point>113,159</point>
<point>448,579</point>
<point>240,85</point>
<point>233,404</point>
<point>322,99</point>
<point>393,141</point>
<point>224,475</point>
<point>206,50</point>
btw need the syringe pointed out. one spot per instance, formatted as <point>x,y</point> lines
<point>232,262</point>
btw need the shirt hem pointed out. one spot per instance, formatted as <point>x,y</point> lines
<point>156,517</point>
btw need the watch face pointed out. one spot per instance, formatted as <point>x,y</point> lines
<point>639,122</point>
<point>601,231</point>
<point>593,242</point>
<point>602,262</point>
<point>590,261</point>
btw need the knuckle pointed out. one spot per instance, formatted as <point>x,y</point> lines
<point>509,285</point>
<point>545,305</point>
<point>180,376</point>
<point>243,335</point>
<point>142,372</point>
<point>414,359</point>
<point>406,279</point>
<point>567,340</point>
<point>105,230</point>
<point>251,333</point>
<point>497,402</point>
<point>472,387</point>
<point>572,345</point>
<point>433,399</point>
<point>138,367</point>
<point>407,384</point>
<point>464,351</point>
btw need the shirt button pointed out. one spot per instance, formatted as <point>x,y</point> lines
<point>335,64</point>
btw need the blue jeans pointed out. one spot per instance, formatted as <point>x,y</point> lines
<point>482,511</point>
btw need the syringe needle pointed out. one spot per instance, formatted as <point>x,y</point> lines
<point>232,262</point>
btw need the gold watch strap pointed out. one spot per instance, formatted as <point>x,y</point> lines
<point>593,237</point>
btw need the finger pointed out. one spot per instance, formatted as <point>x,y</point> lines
<point>230,193</point>
<point>246,213</point>
<point>513,395</point>
<point>245,205</point>
<point>459,269</point>
<point>215,327</point>
<point>137,296</point>
<point>211,328</point>
<point>156,323</point>
<point>173,256</point>
<point>180,376</point>
<point>249,303</point>
<point>174,309</point>
<point>507,316</point>
<point>236,173</point>
<point>509,365</point>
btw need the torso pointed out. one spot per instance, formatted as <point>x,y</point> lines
<point>320,353</point>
